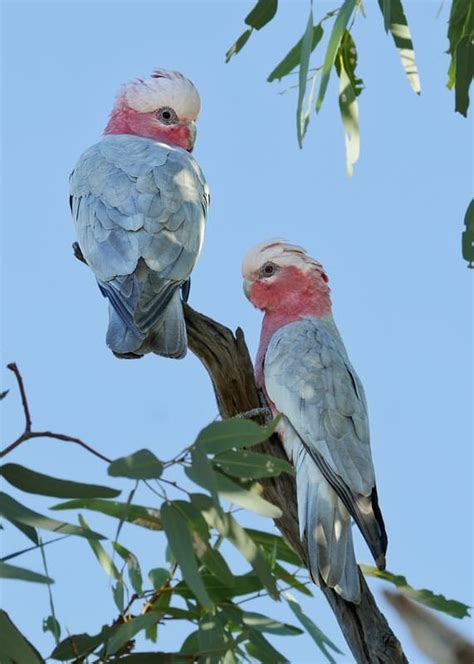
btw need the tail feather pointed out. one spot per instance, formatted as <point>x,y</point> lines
<point>326,524</point>
<point>169,338</point>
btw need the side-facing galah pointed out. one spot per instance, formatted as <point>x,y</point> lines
<point>139,201</point>
<point>303,369</point>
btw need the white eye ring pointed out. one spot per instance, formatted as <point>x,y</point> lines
<point>167,115</point>
<point>268,269</point>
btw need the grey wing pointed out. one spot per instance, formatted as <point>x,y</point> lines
<point>140,209</point>
<point>310,380</point>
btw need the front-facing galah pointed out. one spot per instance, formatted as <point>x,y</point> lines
<point>139,201</point>
<point>303,369</point>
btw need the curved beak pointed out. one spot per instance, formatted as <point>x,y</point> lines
<point>192,135</point>
<point>247,284</point>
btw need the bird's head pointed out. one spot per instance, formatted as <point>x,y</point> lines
<point>281,278</point>
<point>163,107</point>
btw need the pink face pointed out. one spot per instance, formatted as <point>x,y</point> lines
<point>161,125</point>
<point>289,290</point>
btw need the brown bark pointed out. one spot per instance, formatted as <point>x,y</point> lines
<point>227,361</point>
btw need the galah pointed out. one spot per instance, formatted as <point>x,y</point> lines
<point>304,371</point>
<point>139,202</point>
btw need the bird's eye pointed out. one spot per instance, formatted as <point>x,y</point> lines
<point>268,269</point>
<point>167,115</point>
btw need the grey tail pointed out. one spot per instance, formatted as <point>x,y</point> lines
<point>325,526</point>
<point>168,338</point>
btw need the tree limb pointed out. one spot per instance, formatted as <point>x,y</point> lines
<point>227,361</point>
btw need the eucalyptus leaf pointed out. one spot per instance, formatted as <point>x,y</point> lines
<point>302,118</point>
<point>427,597</point>
<point>234,433</point>
<point>20,573</point>
<point>129,629</point>
<point>238,45</point>
<point>133,567</point>
<point>101,554</point>
<point>293,58</point>
<point>44,485</point>
<point>14,647</point>
<point>75,646</point>
<point>397,24</point>
<point>320,639</point>
<point>275,543</point>
<point>251,465</point>
<point>14,511</point>
<point>141,465</point>
<point>180,541</point>
<point>340,24</point>
<point>139,515</point>
<point>262,13</point>
<point>158,577</point>
<point>262,650</point>
<point>263,623</point>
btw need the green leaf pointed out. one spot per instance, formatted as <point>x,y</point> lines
<point>44,485</point>
<point>27,530</point>
<point>211,639</point>
<point>320,639</point>
<point>234,433</point>
<point>14,647</point>
<point>179,539</point>
<point>262,650</point>
<point>396,22</point>
<point>76,646</point>
<point>262,13</point>
<point>133,567</point>
<point>236,494</point>
<point>349,88</point>
<point>251,465</point>
<point>146,517</point>
<point>129,629</point>
<point>302,118</point>
<point>275,543</point>
<point>158,577</point>
<point>12,510</point>
<point>50,624</point>
<point>3,394</point>
<point>290,579</point>
<point>12,572</point>
<point>427,597</point>
<point>203,473</point>
<point>263,623</point>
<point>101,554</point>
<point>238,45</point>
<point>141,465</point>
<point>464,72</point>
<point>217,565</point>
<point>228,527</point>
<point>293,58</point>
<point>468,235</point>
<point>339,26</point>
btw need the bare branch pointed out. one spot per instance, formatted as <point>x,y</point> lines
<point>227,361</point>
<point>28,434</point>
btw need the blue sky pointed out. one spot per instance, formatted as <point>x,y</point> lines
<point>389,239</point>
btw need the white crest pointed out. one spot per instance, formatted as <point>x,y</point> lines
<point>163,88</point>
<point>280,252</point>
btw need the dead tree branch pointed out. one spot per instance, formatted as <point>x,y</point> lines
<point>227,361</point>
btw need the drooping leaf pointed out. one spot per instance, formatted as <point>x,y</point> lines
<point>14,511</point>
<point>340,24</point>
<point>262,650</point>
<point>349,87</point>
<point>290,579</point>
<point>202,472</point>
<point>101,554</point>
<point>44,485</point>
<point>118,593</point>
<point>234,433</point>
<point>75,646</point>
<point>26,530</point>
<point>216,564</point>
<point>133,567</point>
<point>461,50</point>
<point>180,541</point>
<point>263,623</point>
<point>146,517</point>
<point>50,624</point>
<point>141,465</point>
<point>262,13</point>
<point>302,118</point>
<point>238,45</point>
<point>158,577</point>
<point>275,543</point>
<point>251,465</point>
<point>468,236</point>
<point>12,572</point>
<point>439,602</point>
<point>14,647</point>
<point>228,527</point>
<point>129,629</point>
<point>237,494</point>
<point>320,639</point>
<point>397,24</point>
<point>211,638</point>
<point>293,58</point>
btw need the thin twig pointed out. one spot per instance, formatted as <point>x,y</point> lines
<point>28,433</point>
